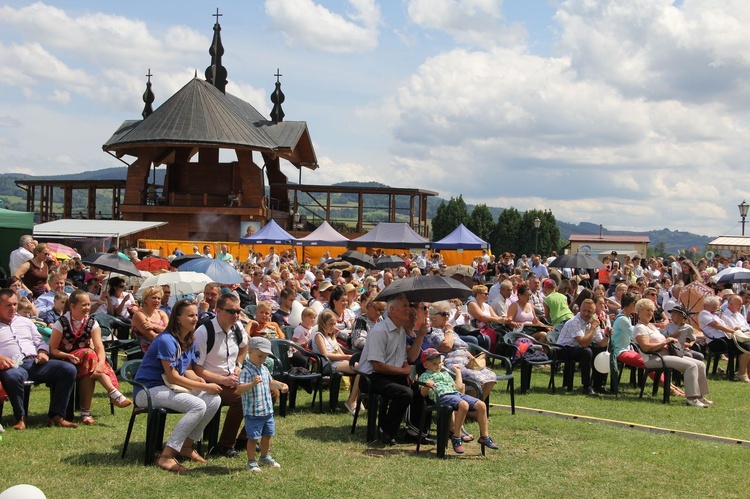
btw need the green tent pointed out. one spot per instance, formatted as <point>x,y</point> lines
<point>13,225</point>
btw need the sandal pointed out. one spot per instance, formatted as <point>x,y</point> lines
<point>170,464</point>
<point>192,455</point>
<point>87,420</point>
<point>466,436</point>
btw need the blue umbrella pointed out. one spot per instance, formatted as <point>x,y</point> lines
<point>218,271</point>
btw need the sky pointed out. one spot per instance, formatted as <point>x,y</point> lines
<point>633,114</point>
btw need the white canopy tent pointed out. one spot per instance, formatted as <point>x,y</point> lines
<point>67,228</point>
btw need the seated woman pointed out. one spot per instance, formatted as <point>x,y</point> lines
<point>650,340</point>
<point>119,302</point>
<point>522,312</point>
<point>482,314</point>
<point>324,342</point>
<point>339,305</point>
<point>622,334</point>
<point>171,356</point>
<point>150,320</point>
<point>76,338</point>
<point>443,339</point>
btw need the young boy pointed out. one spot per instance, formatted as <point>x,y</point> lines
<point>681,330</point>
<point>303,332</point>
<point>447,392</point>
<point>255,387</point>
<point>53,315</point>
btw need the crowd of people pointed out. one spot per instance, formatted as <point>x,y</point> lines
<point>212,349</point>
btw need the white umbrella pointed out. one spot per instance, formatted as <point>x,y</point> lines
<point>732,275</point>
<point>180,283</point>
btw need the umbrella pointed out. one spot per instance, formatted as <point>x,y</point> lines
<point>153,263</point>
<point>462,273</point>
<point>576,261</point>
<point>460,270</point>
<point>388,262</point>
<point>358,258</point>
<point>218,271</point>
<point>112,262</point>
<point>732,275</point>
<point>184,259</point>
<point>180,283</point>
<point>131,281</point>
<point>428,288</point>
<point>337,263</point>
<point>691,299</point>
<point>61,251</point>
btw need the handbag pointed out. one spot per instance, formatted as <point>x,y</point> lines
<point>676,349</point>
<point>477,363</point>
<point>172,386</point>
<point>741,338</point>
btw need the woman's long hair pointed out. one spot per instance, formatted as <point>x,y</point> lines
<point>173,326</point>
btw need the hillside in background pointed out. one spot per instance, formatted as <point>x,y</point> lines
<point>14,198</point>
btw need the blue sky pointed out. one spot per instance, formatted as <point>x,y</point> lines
<point>629,113</point>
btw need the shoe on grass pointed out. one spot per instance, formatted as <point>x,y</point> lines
<point>695,403</point>
<point>458,445</point>
<point>488,442</point>
<point>267,460</point>
<point>253,467</point>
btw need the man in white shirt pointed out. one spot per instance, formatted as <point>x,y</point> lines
<point>538,268</point>
<point>720,328</point>
<point>23,253</point>
<point>222,363</point>
<point>578,335</point>
<point>502,302</point>
<point>47,300</point>
<point>271,261</point>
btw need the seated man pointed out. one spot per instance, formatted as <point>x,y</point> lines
<point>717,330</point>
<point>734,319</point>
<point>221,345</point>
<point>25,356</point>
<point>576,337</point>
<point>385,360</point>
<point>46,300</point>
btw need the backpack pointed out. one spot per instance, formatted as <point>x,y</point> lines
<point>211,334</point>
<point>522,346</point>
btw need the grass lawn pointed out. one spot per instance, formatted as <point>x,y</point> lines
<point>541,456</point>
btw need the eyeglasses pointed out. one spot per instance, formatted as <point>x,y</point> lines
<point>232,311</point>
<point>444,314</point>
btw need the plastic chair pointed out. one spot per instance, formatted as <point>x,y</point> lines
<point>715,349</point>
<point>288,332</point>
<point>555,358</point>
<point>250,310</point>
<point>156,416</point>
<point>375,404</point>
<point>507,377</point>
<point>282,350</point>
<point>663,370</point>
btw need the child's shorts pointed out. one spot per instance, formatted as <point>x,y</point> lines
<point>452,400</point>
<point>259,426</point>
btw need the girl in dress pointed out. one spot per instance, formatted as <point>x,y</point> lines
<point>76,338</point>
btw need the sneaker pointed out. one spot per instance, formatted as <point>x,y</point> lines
<point>268,461</point>
<point>695,403</point>
<point>229,452</point>
<point>705,401</point>
<point>253,466</point>
<point>458,445</point>
<point>487,442</point>
<point>742,377</point>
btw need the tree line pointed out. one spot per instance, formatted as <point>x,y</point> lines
<point>513,232</point>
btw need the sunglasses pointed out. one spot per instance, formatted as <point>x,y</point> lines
<point>232,311</point>
<point>444,314</point>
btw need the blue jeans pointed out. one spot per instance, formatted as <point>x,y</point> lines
<point>59,374</point>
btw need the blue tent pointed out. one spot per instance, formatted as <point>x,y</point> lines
<point>271,233</point>
<point>390,235</point>
<point>461,238</point>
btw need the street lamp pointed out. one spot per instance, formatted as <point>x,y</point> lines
<point>295,219</point>
<point>743,213</point>
<point>537,223</point>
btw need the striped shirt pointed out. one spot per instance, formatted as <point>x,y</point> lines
<point>257,401</point>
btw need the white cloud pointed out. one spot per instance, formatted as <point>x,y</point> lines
<point>60,96</point>
<point>476,22</point>
<point>307,23</point>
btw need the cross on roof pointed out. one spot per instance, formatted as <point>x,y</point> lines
<point>149,75</point>
<point>217,15</point>
<point>277,75</point>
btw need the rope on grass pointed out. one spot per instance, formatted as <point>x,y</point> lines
<point>635,426</point>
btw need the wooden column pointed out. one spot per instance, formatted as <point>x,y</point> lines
<point>67,202</point>
<point>91,203</point>
<point>360,211</point>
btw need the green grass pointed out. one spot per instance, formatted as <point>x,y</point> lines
<point>541,456</point>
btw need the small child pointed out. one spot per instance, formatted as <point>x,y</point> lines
<point>255,387</point>
<point>58,305</point>
<point>684,332</point>
<point>448,394</point>
<point>303,332</point>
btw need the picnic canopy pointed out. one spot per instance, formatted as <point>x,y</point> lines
<point>460,246</point>
<point>13,225</point>
<point>324,239</point>
<point>390,235</point>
